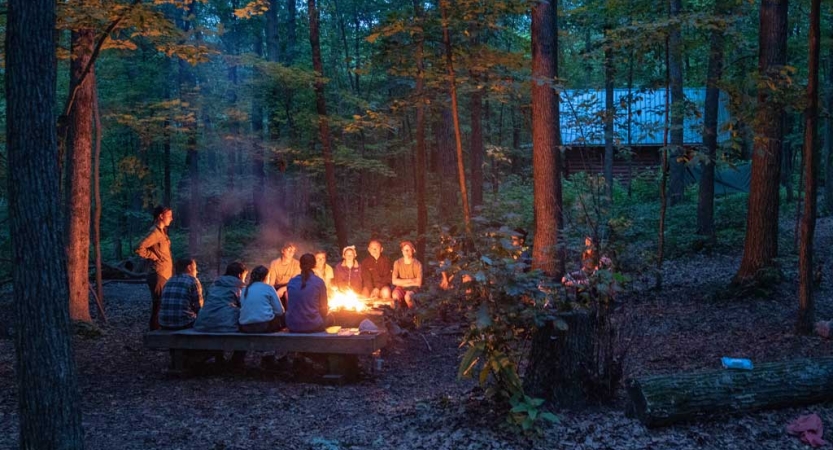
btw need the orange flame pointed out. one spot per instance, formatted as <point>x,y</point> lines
<point>348,301</point>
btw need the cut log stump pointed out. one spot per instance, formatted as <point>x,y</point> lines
<point>666,399</point>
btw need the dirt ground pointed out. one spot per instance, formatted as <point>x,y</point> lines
<point>130,402</point>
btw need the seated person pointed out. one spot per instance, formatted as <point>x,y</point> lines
<point>282,269</point>
<point>407,275</point>
<point>348,275</point>
<point>221,311</point>
<point>322,269</point>
<point>308,309</point>
<point>181,297</point>
<point>261,310</point>
<point>376,272</point>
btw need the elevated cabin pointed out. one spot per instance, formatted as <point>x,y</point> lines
<point>638,130</point>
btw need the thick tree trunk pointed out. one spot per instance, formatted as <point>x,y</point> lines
<point>546,155</point>
<point>419,151</point>
<point>610,114</point>
<point>324,126</point>
<point>99,283</point>
<point>49,410</point>
<point>675,44</point>
<point>455,115</point>
<point>79,162</point>
<point>667,399</point>
<point>561,361</point>
<point>806,309</point>
<point>761,242</point>
<point>705,203</point>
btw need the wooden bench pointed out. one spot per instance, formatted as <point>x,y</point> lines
<point>342,351</point>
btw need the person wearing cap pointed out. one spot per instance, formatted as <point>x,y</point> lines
<point>156,247</point>
<point>348,275</point>
<point>376,272</point>
<point>282,269</point>
<point>406,276</point>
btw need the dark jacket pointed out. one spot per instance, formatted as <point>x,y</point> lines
<point>376,272</point>
<point>221,310</point>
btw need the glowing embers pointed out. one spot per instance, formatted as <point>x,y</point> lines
<point>346,301</point>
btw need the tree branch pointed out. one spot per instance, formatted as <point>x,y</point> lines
<point>95,54</point>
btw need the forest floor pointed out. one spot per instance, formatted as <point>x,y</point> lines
<point>129,401</point>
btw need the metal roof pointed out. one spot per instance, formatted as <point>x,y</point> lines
<point>582,117</point>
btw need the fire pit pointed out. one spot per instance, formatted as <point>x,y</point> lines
<point>349,309</point>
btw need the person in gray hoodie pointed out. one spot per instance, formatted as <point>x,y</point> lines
<point>221,310</point>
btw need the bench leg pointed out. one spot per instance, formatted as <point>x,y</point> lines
<point>178,362</point>
<point>342,367</point>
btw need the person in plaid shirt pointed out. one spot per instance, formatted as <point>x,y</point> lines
<point>181,297</point>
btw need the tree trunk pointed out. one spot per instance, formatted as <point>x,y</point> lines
<point>828,135</point>
<point>291,36</point>
<point>419,153</point>
<point>667,399</point>
<point>787,159</point>
<point>272,43</point>
<point>187,83</point>
<point>664,168</point>
<point>476,151</point>
<point>455,115</point>
<point>49,410</point>
<point>705,203</point>
<point>546,155</point>
<point>447,162</point>
<point>79,162</point>
<point>610,115</point>
<point>560,361</point>
<point>675,44</point>
<point>806,310</point>
<point>99,283</point>
<point>761,242</point>
<point>257,146</point>
<point>324,126</point>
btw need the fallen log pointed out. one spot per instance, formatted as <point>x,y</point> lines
<point>666,399</point>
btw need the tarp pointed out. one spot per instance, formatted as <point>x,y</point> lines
<point>727,179</point>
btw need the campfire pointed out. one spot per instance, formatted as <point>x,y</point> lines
<point>346,301</point>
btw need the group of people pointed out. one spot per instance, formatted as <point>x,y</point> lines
<point>290,292</point>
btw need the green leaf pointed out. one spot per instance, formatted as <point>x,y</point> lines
<point>548,416</point>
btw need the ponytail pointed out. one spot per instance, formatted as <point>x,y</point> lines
<point>307,264</point>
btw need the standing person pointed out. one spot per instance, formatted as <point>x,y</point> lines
<point>181,297</point>
<point>407,276</point>
<point>261,310</point>
<point>322,269</point>
<point>282,269</point>
<point>376,272</point>
<point>308,310</point>
<point>156,247</point>
<point>348,275</point>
